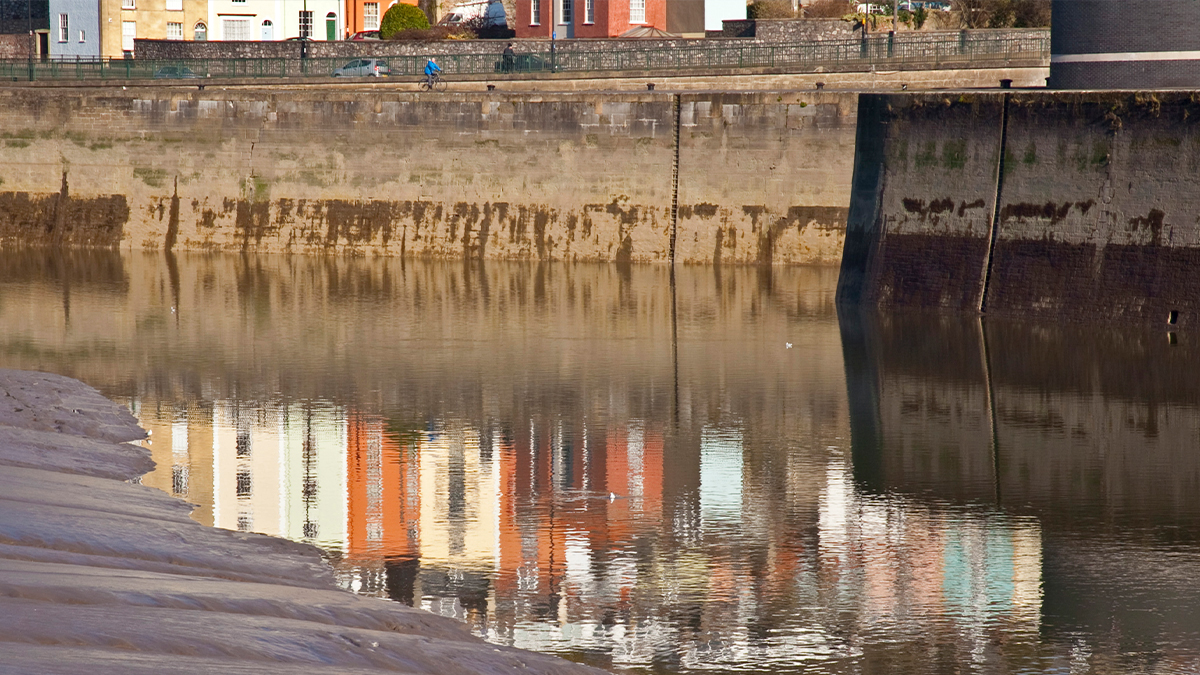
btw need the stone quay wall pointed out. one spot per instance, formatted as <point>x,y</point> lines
<point>761,178</point>
<point>1068,206</point>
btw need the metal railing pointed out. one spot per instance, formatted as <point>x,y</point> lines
<point>950,50</point>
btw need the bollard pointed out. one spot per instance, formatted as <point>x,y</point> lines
<point>650,86</point>
<point>491,87</point>
<point>820,85</point>
<point>1006,84</point>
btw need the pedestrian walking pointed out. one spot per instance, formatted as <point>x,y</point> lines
<point>508,59</point>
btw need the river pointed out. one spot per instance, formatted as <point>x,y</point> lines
<point>712,472</point>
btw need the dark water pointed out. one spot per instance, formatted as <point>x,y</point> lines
<point>581,460</point>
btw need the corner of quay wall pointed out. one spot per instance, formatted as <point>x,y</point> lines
<point>761,177</point>
<point>1060,205</point>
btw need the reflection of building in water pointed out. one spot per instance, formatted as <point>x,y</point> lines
<point>275,469</point>
<point>913,561</point>
<point>554,536</point>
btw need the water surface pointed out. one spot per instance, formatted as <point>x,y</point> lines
<point>594,461</point>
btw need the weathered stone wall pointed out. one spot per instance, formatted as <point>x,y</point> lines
<point>176,49</point>
<point>788,30</point>
<point>1097,196</point>
<point>14,46</point>
<point>761,178</point>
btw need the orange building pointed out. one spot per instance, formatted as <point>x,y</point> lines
<point>366,14</point>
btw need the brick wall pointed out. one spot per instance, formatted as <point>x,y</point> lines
<point>14,46</point>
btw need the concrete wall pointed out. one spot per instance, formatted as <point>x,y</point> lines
<point>761,177</point>
<point>1095,220</point>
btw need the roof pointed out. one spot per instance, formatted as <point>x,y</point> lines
<point>647,32</point>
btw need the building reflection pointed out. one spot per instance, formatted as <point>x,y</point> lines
<point>562,535</point>
<point>542,452</point>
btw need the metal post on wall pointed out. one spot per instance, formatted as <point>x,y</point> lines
<point>553,36</point>
<point>29,25</point>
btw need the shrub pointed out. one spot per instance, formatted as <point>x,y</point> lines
<point>402,17</point>
<point>770,9</point>
<point>828,9</point>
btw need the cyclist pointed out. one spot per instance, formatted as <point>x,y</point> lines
<point>431,71</point>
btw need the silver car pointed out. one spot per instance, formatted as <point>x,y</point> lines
<point>364,68</point>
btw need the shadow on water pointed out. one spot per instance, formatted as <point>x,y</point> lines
<point>1090,430</point>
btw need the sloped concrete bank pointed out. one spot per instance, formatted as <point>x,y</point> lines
<point>1068,206</point>
<point>698,177</point>
<point>101,575</point>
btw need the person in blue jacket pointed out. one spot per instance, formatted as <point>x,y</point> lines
<point>431,67</point>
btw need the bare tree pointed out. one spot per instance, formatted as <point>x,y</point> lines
<point>973,13</point>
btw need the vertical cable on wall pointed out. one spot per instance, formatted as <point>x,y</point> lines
<point>994,225</point>
<point>675,184</point>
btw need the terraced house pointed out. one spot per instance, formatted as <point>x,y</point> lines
<point>123,21</point>
<point>275,19</point>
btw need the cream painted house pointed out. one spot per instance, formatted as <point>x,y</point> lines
<point>268,20</point>
<point>123,21</point>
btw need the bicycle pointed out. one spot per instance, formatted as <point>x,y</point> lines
<point>433,83</point>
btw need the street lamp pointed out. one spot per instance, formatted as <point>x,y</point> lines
<point>29,26</point>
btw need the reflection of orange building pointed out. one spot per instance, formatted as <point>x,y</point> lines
<point>564,504</point>
<point>383,500</point>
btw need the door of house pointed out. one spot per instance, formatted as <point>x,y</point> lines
<point>331,26</point>
<point>566,19</point>
<point>268,31</point>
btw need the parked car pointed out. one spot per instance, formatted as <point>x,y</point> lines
<point>175,73</point>
<point>524,63</point>
<point>365,35</point>
<point>491,11</point>
<point>364,68</point>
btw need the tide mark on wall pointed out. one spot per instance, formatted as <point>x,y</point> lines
<point>173,221</point>
<point>61,219</point>
<point>1152,221</point>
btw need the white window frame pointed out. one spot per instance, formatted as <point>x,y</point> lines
<point>128,35</point>
<point>178,30</point>
<point>566,12</point>
<point>370,18</point>
<point>589,12</point>
<point>128,4</point>
<point>535,12</point>
<point>64,28</point>
<point>174,5</point>
<point>82,37</point>
<point>637,11</point>
<point>306,23</point>
<point>239,22</point>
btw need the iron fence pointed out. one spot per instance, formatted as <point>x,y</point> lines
<point>879,52</point>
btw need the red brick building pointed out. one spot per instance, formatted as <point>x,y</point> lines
<point>587,18</point>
